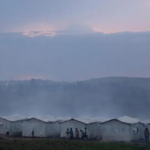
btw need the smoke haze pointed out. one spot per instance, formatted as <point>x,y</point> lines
<point>75,58</point>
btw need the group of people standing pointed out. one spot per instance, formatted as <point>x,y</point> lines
<point>70,133</point>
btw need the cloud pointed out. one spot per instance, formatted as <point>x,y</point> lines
<point>72,57</point>
<point>28,77</point>
<point>76,28</point>
<point>36,26</point>
<point>39,33</point>
<point>103,16</point>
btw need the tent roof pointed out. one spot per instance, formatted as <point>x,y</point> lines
<point>85,120</point>
<point>88,120</point>
<point>127,119</point>
<point>4,118</point>
<point>52,119</point>
<point>146,121</point>
<point>14,118</point>
<point>36,119</point>
<point>115,120</point>
<point>74,120</point>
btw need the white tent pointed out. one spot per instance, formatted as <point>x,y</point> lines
<point>137,126</point>
<point>138,130</point>
<point>15,127</point>
<point>72,123</point>
<point>94,131</point>
<point>53,129</point>
<point>14,117</point>
<point>40,128</point>
<point>33,124</point>
<point>52,119</point>
<point>115,130</point>
<point>147,126</point>
<point>88,120</point>
<point>128,119</point>
<point>4,126</point>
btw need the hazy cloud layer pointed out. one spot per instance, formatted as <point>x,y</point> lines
<point>102,15</point>
<point>66,40</point>
<point>72,57</point>
<point>102,97</point>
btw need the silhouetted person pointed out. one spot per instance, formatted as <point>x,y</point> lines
<point>71,133</point>
<point>33,134</point>
<point>86,136</point>
<point>77,133</point>
<point>146,134</point>
<point>7,134</point>
<point>83,135</point>
<point>67,133</point>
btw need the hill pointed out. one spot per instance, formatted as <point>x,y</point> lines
<point>105,97</point>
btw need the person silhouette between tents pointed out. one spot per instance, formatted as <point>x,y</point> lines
<point>67,133</point>
<point>77,133</point>
<point>33,134</point>
<point>146,134</point>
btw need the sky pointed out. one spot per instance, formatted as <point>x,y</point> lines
<point>74,39</point>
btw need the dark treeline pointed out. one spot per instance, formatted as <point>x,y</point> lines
<point>103,97</point>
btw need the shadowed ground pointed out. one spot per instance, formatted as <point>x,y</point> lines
<point>49,144</point>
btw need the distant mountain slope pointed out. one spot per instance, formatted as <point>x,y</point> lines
<point>110,97</point>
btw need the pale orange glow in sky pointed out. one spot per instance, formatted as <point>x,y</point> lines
<point>105,30</point>
<point>49,30</point>
<point>31,30</point>
<point>33,34</point>
<point>108,30</point>
<point>34,27</point>
<point>29,77</point>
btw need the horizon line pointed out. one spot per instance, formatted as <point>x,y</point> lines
<point>75,80</point>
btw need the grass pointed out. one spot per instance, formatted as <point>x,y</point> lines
<point>37,144</point>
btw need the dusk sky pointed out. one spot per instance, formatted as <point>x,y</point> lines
<point>74,39</point>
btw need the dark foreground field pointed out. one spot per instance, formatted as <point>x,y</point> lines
<point>25,144</point>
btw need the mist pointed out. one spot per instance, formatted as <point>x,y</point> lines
<point>104,97</point>
<point>75,58</point>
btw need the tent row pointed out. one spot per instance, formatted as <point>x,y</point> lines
<point>27,126</point>
<point>111,130</point>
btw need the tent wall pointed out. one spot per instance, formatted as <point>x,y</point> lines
<point>148,126</point>
<point>53,129</point>
<point>116,131</point>
<point>140,134</point>
<point>143,126</point>
<point>37,126</point>
<point>94,131</point>
<point>16,128</point>
<point>5,126</point>
<point>71,124</point>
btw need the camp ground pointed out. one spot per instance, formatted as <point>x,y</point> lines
<point>119,129</point>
